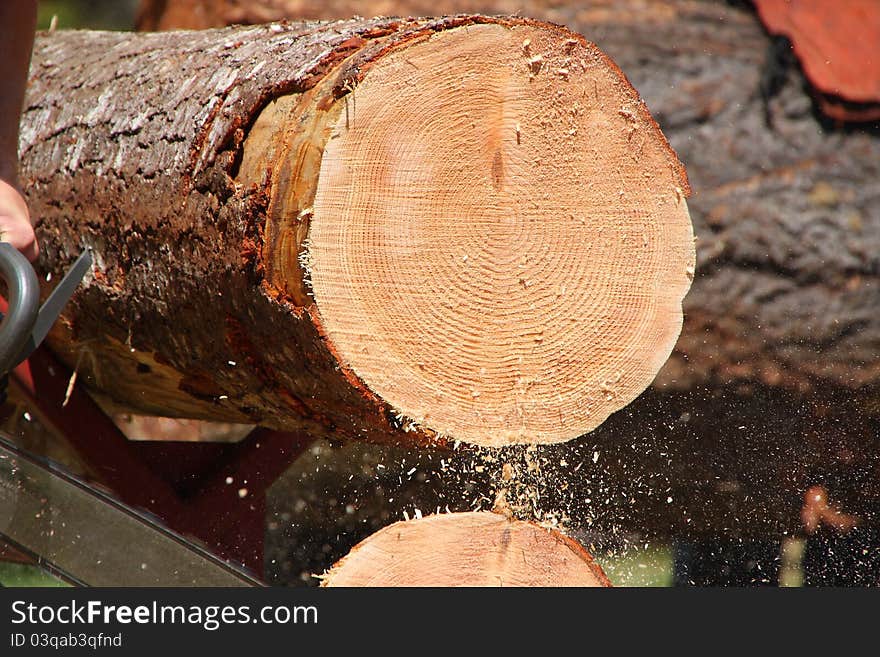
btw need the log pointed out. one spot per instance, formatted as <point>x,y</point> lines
<point>465,228</point>
<point>466,549</point>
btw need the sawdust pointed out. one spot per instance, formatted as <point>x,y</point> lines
<point>593,488</point>
<point>520,482</point>
<point>567,487</point>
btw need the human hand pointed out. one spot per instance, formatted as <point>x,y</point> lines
<point>15,222</point>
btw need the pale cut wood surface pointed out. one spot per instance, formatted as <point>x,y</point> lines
<point>466,549</point>
<point>499,243</point>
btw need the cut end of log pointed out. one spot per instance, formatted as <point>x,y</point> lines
<point>499,242</point>
<point>466,549</point>
<point>470,224</point>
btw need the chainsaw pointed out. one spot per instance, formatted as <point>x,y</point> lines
<point>26,323</point>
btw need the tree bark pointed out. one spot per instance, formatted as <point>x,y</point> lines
<point>274,213</point>
<point>127,147</point>
<point>466,549</point>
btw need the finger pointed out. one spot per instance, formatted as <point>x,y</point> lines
<point>19,232</point>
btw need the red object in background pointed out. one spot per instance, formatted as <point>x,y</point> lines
<point>838,46</point>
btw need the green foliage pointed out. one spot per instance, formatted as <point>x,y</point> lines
<point>21,575</point>
<point>638,566</point>
<point>88,14</point>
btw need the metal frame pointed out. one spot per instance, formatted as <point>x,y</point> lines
<point>160,476</point>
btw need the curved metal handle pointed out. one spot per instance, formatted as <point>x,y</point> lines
<point>24,304</point>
